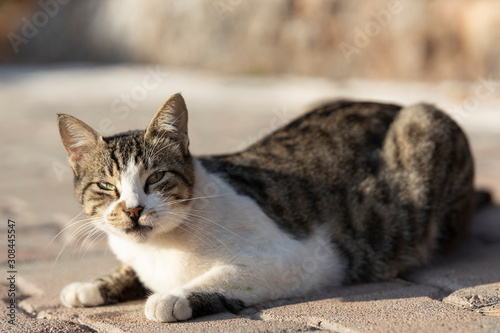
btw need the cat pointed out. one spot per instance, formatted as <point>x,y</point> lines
<point>348,192</point>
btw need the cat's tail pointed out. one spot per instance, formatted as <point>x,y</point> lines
<point>483,199</point>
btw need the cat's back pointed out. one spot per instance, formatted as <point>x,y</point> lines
<point>334,139</point>
<point>294,170</point>
<point>381,175</point>
<point>330,139</point>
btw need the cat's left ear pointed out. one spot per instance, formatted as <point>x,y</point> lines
<point>78,139</point>
<point>171,121</point>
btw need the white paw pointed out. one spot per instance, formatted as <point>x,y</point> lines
<point>167,308</point>
<point>80,294</point>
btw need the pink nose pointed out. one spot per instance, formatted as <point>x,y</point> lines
<point>134,213</point>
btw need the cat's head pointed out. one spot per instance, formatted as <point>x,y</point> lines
<point>137,184</point>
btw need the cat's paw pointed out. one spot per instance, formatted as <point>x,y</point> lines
<point>167,308</point>
<point>80,294</point>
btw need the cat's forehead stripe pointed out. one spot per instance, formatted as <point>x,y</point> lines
<point>126,148</point>
<point>115,161</point>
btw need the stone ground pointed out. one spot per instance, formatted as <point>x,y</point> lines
<point>460,292</point>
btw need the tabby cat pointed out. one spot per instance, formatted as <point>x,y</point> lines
<point>348,192</point>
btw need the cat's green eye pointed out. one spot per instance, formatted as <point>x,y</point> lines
<point>106,186</point>
<point>155,177</point>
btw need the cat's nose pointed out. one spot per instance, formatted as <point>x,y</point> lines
<point>134,213</point>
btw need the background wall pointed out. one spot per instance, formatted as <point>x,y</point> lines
<point>401,39</point>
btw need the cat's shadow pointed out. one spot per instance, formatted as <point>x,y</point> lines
<point>473,263</point>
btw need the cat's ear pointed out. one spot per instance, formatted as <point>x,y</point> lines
<point>171,121</point>
<point>78,139</point>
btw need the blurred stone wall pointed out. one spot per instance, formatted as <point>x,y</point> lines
<point>402,39</point>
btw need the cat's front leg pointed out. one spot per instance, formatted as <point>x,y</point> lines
<point>119,286</point>
<point>225,288</point>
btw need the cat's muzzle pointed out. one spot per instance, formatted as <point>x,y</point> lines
<point>139,229</point>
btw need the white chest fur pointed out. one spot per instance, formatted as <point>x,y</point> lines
<point>159,268</point>
<point>232,230</point>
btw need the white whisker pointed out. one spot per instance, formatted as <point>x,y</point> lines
<point>88,224</point>
<point>183,217</point>
<point>97,235</point>
<point>164,202</point>
<point>70,223</point>
<point>217,224</point>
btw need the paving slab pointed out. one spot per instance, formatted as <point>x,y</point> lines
<point>473,263</point>
<point>398,305</point>
<point>22,322</point>
<point>42,281</point>
<point>45,236</point>
<point>484,297</point>
<point>468,276</point>
<point>226,114</point>
<point>129,317</point>
<point>393,307</point>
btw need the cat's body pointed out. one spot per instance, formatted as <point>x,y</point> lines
<point>348,192</point>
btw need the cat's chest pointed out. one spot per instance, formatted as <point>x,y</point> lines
<point>160,270</point>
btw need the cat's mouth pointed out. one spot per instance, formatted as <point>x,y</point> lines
<point>139,229</point>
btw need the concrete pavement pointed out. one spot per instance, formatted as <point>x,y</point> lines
<point>460,292</point>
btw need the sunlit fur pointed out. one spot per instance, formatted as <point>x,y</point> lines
<point>349,192</point>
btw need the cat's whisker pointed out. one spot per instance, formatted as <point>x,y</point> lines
<point>153,223</point>
<point>78,231</point>
<point>199,198</point>
<point>80,234</point>
<point>218,224</point>
<point>183,227</point>
<point>83,237</point>
<point>165,201</point>
<point>192,225</point>
<point>70,238</point>
<point>87,223</point>
<point>183,220</point>
<point>70,224</point>
<point>97,235</point>
<point>205,210</point>
<point>209,235</point>
<point>89,235</point>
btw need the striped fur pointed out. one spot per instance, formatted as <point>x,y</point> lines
<point>394,184</point>
<point>349,192</point>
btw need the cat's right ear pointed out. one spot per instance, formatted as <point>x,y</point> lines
<point>78,139</point>
<point>171,121</point>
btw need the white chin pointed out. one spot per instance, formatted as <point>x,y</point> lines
<point>139,233</point>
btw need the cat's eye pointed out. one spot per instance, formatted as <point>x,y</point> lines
<point>155,177</point>
<point>106,186</point>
